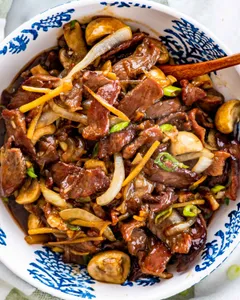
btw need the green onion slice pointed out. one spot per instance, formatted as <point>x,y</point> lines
<point>31,173</point>
<point>233,272</point>
<point>171,91</point>
<point>74,227</point>
<point>118,127</point>
<point>217,188</point>
<point>166,127</point>
<point>168,163</point>
<point>95,150</point>
<point>191,211</point>
<point>163,215</point>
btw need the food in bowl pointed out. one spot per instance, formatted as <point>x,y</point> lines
<point>109,161</point>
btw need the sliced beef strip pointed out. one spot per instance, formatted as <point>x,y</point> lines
<point>94,80</point>
<point>180,178</point>
<point>196,116</point>
<point>217,166</point>
<point>234,175</point>
<point>191,93</point>
<point>61,170</point>
<point>144,58</point>
<point>179,243</point>
<point>16,128</point>
<point>211,102</point>
<point>72,100</point>
<point>47,152</point>
<point>163,108</point>
<point>141,98</point>
<point>157,258</point>
<point>12,172</point>
<point>149,135</point>
<point>160,202</point>
<point>199,237</point>
<point>179,119</point>
<point>75,182</point>
<point>116,141</point>
<point>98,116</point>
<point>128,228</point>
<point>22,97</point>
<point>136,38</point>
<point>138,241</point>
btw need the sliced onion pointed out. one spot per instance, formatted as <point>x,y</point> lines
<point>51,196</point>
<point>73,116</point>
<point>180,227</point>
<point>116,183</point>
<point>78,213</point>
<point>202,164</point>
<point>193,155</point>
<point>102,47</point>
<point>188,156</point>
<point>47,118</point>
<point>47,130</point>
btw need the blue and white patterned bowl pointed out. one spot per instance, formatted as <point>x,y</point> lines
<point>187,41</point>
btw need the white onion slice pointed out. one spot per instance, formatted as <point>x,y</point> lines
<point>202,164</point>
<point>48,117</point>
<point>51,196</point>
<point>102,47</point>
<point>73,116</point>
<point>193,155</point>
<point>116,183</point>
<point>78,213</point>
<point>180,227</point>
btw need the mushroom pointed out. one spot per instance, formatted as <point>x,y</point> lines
<point>185,142</point>
<point>164,55</point>
<point>29,192</point>
<point>65,59</point>
<point>109,266</point>
<point>74,38</point>
<point>227,115</point>
<point>101,27</point>
<point>203,80</point>
<point>33,222</point>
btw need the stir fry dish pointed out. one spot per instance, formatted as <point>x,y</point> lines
<point>110,162</point>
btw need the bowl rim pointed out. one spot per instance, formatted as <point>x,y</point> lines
<point>158,7</point>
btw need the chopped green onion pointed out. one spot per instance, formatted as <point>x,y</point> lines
<point>72,24</point>
<point>233,272</point>
<point>5,199</point>
<point>191,211</point>
<point>217,188</point>
<point>74,227</point>
<point>163,215</point>
<point>168,163</point>
<point>227,201</point>
<point>31,173</point>
<point>184,293</point>
<point>118,127</point>
<point>95,150</point>
<point>171,91</point>
<point>166,127</point>
<point>83,199</point>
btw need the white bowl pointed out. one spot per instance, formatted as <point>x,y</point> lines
<point>187,41</point>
